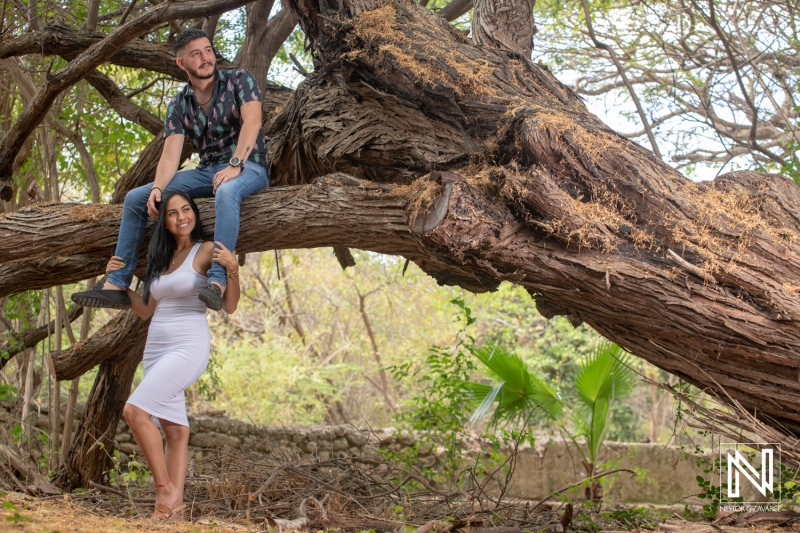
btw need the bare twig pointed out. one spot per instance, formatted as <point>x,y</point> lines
<point>581,482</point>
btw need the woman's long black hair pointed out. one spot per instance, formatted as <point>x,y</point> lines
<point>163,243</point>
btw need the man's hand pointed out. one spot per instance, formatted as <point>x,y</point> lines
<point>155,196</point>
<point>226,174</point>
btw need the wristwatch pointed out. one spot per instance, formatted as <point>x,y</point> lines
<point>236,162</point>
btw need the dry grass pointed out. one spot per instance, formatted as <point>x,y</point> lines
<point>62,514</point>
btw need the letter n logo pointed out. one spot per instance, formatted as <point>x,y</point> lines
<point>740,469</point>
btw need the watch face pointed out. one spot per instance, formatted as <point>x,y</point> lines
<point>235,161</point>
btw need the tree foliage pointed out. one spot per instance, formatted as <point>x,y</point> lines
<point>718,80</point>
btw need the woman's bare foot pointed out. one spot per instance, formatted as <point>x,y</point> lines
<point>168,502</point>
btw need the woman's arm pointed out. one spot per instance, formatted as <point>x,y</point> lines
<point>226,258</point>
<point>144,310</point>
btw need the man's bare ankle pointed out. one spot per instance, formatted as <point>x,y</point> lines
<point>220,285</point>
<point>108,286</point>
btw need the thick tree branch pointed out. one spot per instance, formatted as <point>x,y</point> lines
<point>464,236</point>
<point>122,104</point>
<point>91,15</point>
<point>89,458</point>
<point>109,341</point>
<point>28,339</point>
<point>583,202</point>
<point>66,42</point>
<point>252,55</point>
<point>455,9</point>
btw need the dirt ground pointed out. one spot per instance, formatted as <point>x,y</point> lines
<point>60,514</point>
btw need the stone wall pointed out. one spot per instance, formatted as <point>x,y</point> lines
<point>547,467</point>
<point>665,477</point>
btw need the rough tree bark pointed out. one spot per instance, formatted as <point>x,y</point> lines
<point>111,340</point>
<point>506,24</point>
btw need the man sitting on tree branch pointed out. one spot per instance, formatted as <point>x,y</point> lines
<point>220,111</point>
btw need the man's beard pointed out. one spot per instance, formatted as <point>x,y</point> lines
<point>199,76</point>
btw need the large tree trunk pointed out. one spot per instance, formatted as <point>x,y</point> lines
<point>90,455</point>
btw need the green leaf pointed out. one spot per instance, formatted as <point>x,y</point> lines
<point>518,392</point>
<point>603,377</point>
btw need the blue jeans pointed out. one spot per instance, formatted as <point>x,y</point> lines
<point>198,183</point>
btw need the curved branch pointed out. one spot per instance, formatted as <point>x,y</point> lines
<point>109,341</point>
<point>455,9</point>
<point>57,39</point>
<point>28,339</point>
<point>122,104</point>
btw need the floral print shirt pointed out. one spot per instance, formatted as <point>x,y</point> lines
<point>214,136</point>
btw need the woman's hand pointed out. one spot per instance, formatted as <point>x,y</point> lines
<point>144,310</point>
<point>224,257</point>
<point>115,263</point>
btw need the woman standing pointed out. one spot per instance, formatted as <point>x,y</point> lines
<point>178,342</point>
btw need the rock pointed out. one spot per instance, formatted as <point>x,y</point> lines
<point>224,425</point>
<point>406,439</point>
<point>212,440</point>
<point>129,448</point>
<point>386,437</point>
<point>355,437</point>
<point>339,445</point>
<point>263,445</point>
<point>206,423</point>
<point>428,461</point>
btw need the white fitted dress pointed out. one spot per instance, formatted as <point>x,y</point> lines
<point>178,344</point>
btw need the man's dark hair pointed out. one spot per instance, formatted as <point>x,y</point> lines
<point>187,36</point>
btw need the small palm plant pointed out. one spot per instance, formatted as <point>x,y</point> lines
<point>604,376</point>
<point>519,394</point>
